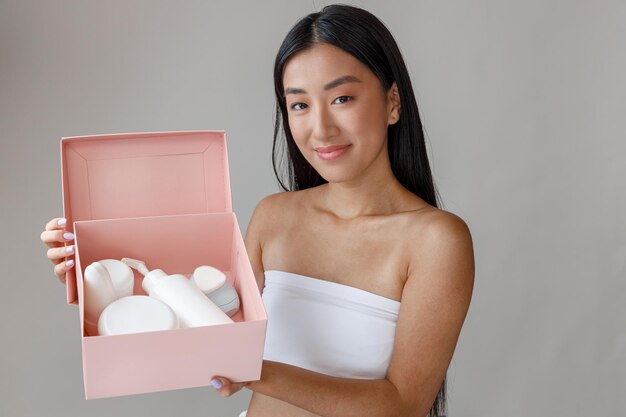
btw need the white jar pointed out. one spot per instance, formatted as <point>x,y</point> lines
<point>136,314</point>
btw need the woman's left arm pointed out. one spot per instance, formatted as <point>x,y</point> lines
<point>434,304</point>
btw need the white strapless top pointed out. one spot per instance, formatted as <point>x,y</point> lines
<point>326,327</point>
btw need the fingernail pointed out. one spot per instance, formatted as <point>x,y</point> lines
<point>69,263</point>
<point>68,236</point>
<point>217,384</point>
<point>69,249</point>
<point>62,222</point>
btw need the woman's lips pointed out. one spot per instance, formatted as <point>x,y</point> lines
<point>329,153</point>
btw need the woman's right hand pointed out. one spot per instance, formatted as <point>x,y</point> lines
<point>55,237</point>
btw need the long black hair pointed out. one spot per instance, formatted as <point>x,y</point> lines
<point>365,37</point>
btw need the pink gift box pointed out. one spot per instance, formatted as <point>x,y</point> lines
<point>163,198</point>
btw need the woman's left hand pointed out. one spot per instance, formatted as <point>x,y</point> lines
<point>224,387</point>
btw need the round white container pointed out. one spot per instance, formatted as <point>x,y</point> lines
<point>136,314</point>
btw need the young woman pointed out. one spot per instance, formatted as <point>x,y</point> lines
<point>366,282</point>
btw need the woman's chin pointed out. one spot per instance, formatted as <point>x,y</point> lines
<point>336,177</point>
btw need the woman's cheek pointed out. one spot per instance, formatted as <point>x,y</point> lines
<point>297,130</point>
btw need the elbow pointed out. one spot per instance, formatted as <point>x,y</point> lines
<point>412,411</point>
<point>411,407</point>
<point>408,408</point>
<point>411,404</point>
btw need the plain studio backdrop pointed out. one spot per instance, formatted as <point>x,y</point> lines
<point>523,104</point>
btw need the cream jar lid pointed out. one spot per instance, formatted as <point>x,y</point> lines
<point>136,314</point>
<point>208,278</point>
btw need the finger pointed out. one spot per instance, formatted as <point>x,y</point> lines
<point>55,238</point>
<point>56,223</point>
<point>223,386</point>
<point>220,385</point>
<point>61,268</point>
<point>57,254</point>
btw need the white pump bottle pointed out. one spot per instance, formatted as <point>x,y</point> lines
<point>189,303</point>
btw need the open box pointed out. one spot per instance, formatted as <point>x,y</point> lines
<point>163,198</point>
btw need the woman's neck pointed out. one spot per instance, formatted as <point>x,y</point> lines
<point>364,197</point>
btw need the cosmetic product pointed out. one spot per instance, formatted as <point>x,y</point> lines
<point>136,314</point>
<point>190,304</point>
<point>213,283</point>
<point>99,293</point>
<point>121,275</point>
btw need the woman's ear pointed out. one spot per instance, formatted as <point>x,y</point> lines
<point>393,104</point>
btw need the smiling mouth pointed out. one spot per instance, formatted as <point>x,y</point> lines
<point>328,153</point>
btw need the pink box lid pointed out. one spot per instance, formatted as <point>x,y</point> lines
<point>143,175</point>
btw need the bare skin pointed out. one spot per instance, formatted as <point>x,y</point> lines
<point>371,252</point>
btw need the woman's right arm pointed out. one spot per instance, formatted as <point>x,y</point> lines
<point>256,235</point>
<point>55,236</point>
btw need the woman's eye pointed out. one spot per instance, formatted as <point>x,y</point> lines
<point>298,106</point>
<point>342,99</point>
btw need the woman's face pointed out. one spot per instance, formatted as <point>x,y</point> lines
<point>338,113</point>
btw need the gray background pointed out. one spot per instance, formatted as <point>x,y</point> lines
<point>523,103</point>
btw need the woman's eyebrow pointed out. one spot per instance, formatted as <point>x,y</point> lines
<point>335,83</point>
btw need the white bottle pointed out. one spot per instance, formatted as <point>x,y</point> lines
<point>99,293</point>
<point>190,304</point>
<point>121,275</point>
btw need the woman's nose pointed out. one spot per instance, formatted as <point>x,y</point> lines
<point>324,125</point>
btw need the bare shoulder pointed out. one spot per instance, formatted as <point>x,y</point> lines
<point>280,199</point>
<point>265,206</point>
<point>439,237</point>
<point>275,203</point>
<point>277,207</point>
<point>437,225</point>
<point>262,213</point>
<point>288,200</point>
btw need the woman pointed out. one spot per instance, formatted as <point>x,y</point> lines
<point>379,278</point>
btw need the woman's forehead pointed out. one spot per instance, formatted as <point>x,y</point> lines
<point>321,64</point>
